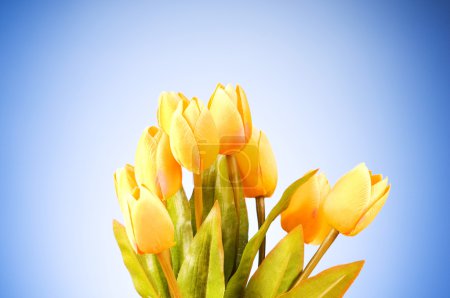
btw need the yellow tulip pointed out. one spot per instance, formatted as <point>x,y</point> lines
<point>156,167</point>
<point>147,222</point>
<point>153,229</point>
<point>306,209</point>
<point>125,183</point>
<point>231,113</point>
<point>168,103</point>
<point>257,166</point>
<point>193,136</point>
<point>355,200</point>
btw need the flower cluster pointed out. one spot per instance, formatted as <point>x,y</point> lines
<point>175,247</point>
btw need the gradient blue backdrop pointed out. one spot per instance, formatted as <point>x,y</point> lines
<point>332,84</point>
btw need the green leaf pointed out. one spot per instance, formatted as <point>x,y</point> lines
<point>236,285</point>
<point>225,196</point>
<point>241,208</point>
<point>136,264</point>
<point>201,274</point>
<point>331,283</point>
<point>279,269</point>
<point>157,275</point>
<point>208,189</point>
<point>179,211</point>
<point>192,207</point>
<point>243,227</point>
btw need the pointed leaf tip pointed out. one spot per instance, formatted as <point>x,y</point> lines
<point>333,282</point>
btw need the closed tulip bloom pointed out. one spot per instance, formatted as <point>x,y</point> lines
<point>257,166</point>
<point>168,103</point>
<point>156,168</point>
<point>125,183</point>
<point>306,209</point>
<point>193,138</point>
<point>147,222</point>
<point>231,113</point>
<point>355,200</point>
<point>153,229</point>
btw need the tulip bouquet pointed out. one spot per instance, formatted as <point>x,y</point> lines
<point>173,246</point>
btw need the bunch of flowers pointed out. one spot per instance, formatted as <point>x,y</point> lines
<point>175,247</point>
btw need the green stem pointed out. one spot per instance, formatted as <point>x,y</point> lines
<point>164,261</point>
<point>317,256</point>
<point>198,199</point>
<point>261,214</point>
<point>234,179</point>
<point>233,174</point>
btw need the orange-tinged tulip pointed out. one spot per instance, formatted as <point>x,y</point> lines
<point>306,209</point>
<point>156,167</point>
<point>168,103</point>
<point>193,137</point>
<point>231,113</point>
<point>147,222</point>
<point>153,229</point>
<point>257,166</point>
<point>355,200</point>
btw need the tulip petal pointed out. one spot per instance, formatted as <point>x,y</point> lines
<point>268,165</point>
<point>372,212</point>
<point>249,167</point>
<point>375,178</point>
<point>191,113</point>
<point>128,220</point>
<point>321,226</point>
<point>183,143</point>
<point>168,174</point>
<point>348,198</point>
<point>231,94</point>
<point>228,121</point>
<point>125,185</point>
<point>145,159</point>
<point>378,190</point>
<point>302,209</point>
<point>153,228</point>
<point>124,182</point>
<point>207,138</point>
<point>168,103</point>
<point>244,110</point>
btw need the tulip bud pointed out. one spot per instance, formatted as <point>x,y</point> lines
<point>153,229</point>
<point>257,166</point>
<point>125,183</point>
<point>355,200</point>
<point>193,137</point>
<point>147,222</point>
<point>156,167</point>
<point>306,209</point>
<point>168,103</point>
<point>231,113</point>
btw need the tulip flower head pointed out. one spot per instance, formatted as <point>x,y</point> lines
<point>156,168</point>
<point>168,103</point>
<point>125,183</point>
<point>193,136</point>
<point>231,113</point>
<point>147,222</point>
<point>257,166</point>
<point>355,200</point>
<point>306,209</point>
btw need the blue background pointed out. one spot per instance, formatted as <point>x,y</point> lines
<point>332,84</point>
